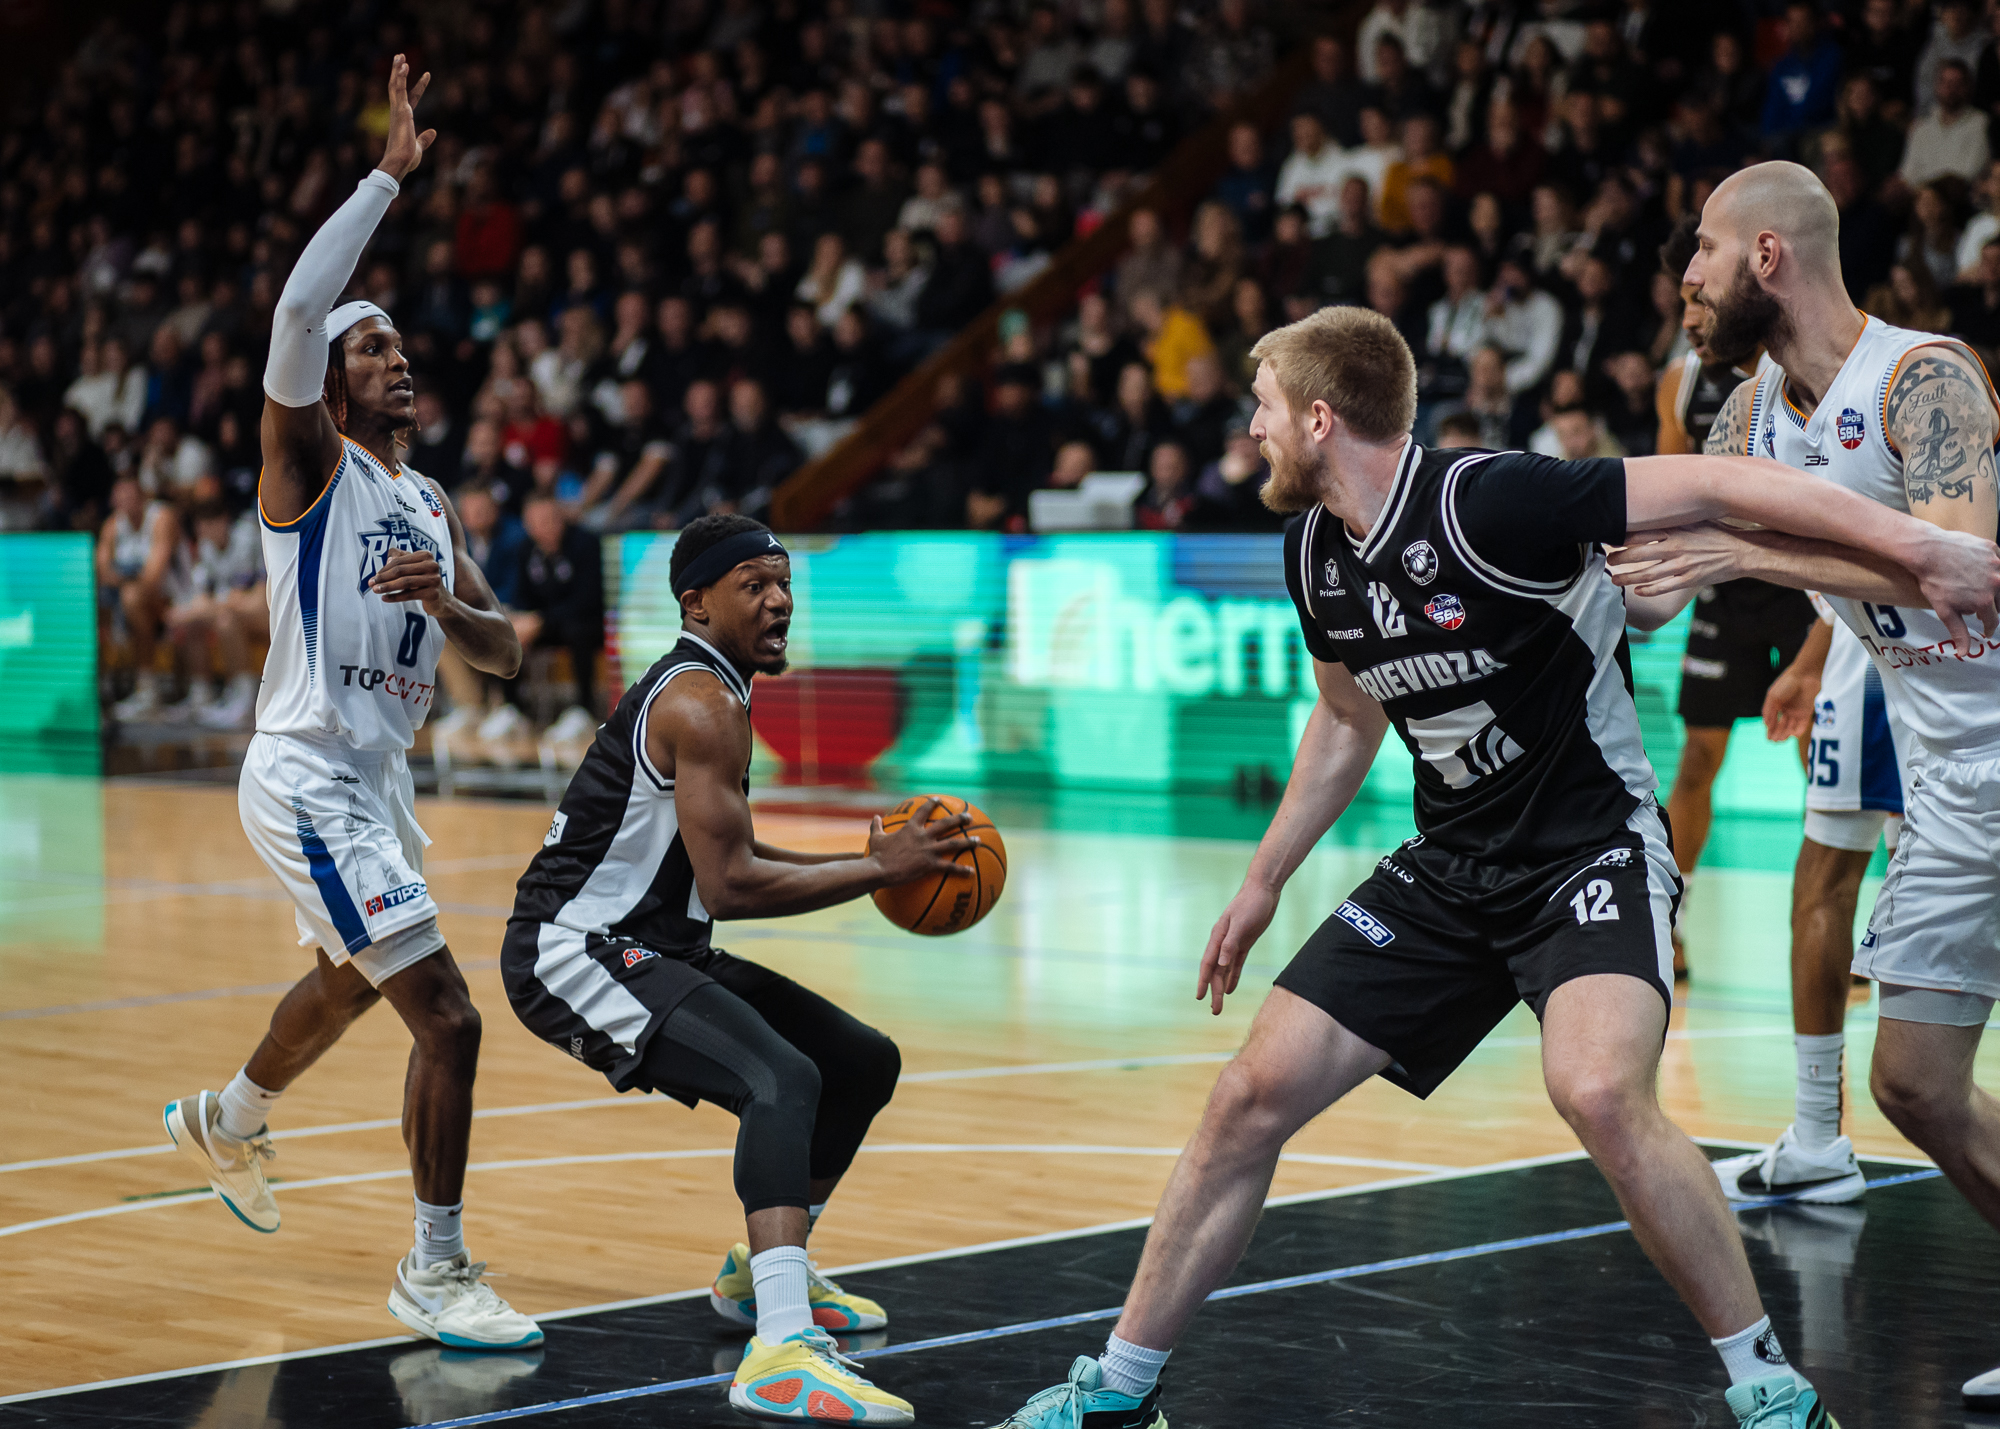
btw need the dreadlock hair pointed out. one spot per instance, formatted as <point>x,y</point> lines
<point>702,533</point>
<point>336,384</point>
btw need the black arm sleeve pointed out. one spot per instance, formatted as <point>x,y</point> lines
<point>1526,515</point>
<point>1317,645</point>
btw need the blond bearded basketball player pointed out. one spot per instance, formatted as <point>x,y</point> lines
<point>1909,420</point>
<point>1462,599</point>
<point>369,578</point>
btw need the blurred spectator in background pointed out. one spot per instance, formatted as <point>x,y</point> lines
<point>135,561</point>
<point>559,603</point>
<point>219,609</point>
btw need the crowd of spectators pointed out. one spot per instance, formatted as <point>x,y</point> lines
<point>662,251</point>
<point>1497,178</point>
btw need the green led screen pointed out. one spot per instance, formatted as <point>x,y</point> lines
<point>1134,661</point>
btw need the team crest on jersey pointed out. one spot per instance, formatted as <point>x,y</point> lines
<point>391,533</point>
<point>1420,559</point>
<point>430,496</point>
<point>1332,574</point>
<point>635,956</point>
<point>1771,440</point>
<point>1850,428</point>
<point>1447,611</point>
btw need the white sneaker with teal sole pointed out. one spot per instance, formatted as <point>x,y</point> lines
<point>449,1303</point>
<point>1778,1401</point>
<point>234,1168</point>
<point>1082,1402</point>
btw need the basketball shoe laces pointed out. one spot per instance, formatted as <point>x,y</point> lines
<point>466,1280</point>
<point>824,1346</point>
<point>257,1144</point>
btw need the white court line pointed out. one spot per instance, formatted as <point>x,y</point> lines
<point>924,1257</point>
<point>947,1074</point>
<point>606,1158</point>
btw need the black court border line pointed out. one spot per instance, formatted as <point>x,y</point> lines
<point>1921,1172</point>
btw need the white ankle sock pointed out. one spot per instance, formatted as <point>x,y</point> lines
<point>1816,1105</point>
<point>245,1107</point>
<point>440,1233</point>
<point>1754,1353</point>
<point>1129,1368</point>
<point>779,1278</point>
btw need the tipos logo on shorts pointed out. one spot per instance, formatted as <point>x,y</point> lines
<point>1365,923</point>
<point>635,956</point>
<point>1447,611</point>
<point>383,902</point>
<point>1850,428</point>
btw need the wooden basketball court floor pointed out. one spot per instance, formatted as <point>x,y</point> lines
<point>1451,1258</point>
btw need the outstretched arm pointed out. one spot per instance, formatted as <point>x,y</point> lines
<point>1959,574</point>
<point>1658,563</point>
<point>697,736</point>
<point>1334,755</point>
<point>301,446</point>
<point>466,611</point>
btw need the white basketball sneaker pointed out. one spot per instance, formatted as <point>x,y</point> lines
<point>234,1168</point>
<point>450,1303</point>
<point>1787,1171</point>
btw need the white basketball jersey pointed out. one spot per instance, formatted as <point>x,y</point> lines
<point>346,664</point>
<point>1951,703</point>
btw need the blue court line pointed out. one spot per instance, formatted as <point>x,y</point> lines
<point>1029,1327</point>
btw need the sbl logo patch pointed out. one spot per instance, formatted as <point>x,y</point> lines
<point>1446,611</point>
<point>635,956</point>
<point>1850,428</point>
<point>1420,559</point>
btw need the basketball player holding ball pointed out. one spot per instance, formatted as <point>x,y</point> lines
<point>608,957</point>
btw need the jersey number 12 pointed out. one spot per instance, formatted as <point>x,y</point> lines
<point>1593,904</point>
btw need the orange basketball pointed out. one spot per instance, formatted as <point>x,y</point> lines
<point>947,903</point>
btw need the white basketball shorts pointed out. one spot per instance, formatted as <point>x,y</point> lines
<point>1936,922</point>
<point>338,826</point>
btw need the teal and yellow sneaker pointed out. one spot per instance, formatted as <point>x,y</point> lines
<point>1779,1401</point>
<point>734,1298</point>
<point>1082,1402</point>
<point>807,1378</point>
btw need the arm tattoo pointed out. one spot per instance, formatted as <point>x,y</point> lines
<point>1943,421</point>
<point>1731,431</point>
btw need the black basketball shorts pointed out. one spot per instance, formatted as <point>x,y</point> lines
<point>1425,957</point>
<point>601,999</point>
<point>1742,633</point>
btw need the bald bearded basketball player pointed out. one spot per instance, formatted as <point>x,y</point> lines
<point>1908,419</point>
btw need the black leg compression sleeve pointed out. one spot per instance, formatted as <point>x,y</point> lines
<point>716,1047</point>
<point>858,1066</point>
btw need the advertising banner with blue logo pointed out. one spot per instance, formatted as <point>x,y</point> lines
<point>1130,661</point>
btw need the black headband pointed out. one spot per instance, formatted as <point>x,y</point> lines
<point>725,556</point>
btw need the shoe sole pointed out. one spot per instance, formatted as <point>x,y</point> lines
<point>413,1318</point>
<point>733,1312</point>
<point>749,1409</point>
<point>169,1114</point>
<point>1982,1401</point>
<point>729,1310</point>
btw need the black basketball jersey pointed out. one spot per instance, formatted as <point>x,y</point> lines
<point>1478,612</point>
<point>1703,391</point>
<point>613,862</point>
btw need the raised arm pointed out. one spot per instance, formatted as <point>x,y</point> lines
<point>1334,755</point>
<point>466,610</point>
<point>696,735</point>
<point>301,445</point>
